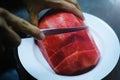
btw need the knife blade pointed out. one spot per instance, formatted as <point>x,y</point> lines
<point>54,31</point>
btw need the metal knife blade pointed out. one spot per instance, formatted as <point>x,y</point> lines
<point>54,31</point>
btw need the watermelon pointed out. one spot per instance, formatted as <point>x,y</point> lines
<point>68,53</point>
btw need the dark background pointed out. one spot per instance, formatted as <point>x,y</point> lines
<point>107,10</point>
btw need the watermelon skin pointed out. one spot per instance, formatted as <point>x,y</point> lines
<point>69,53</point>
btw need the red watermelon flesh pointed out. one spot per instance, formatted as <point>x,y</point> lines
<point>69,53</point>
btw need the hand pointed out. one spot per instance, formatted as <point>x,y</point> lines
<point>35,6</point>
<point>10,24</point>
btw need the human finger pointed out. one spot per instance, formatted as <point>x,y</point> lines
<point>68,6</point>
<point>34,7</point>
<point>7,36</point>
<point>22,25</point>
<point>75,2</point>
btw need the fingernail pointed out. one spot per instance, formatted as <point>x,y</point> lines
<point>41,36</point>
<point>83,18</point>
<point>80,15</point>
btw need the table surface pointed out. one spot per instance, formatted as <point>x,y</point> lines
<point>107,10</point>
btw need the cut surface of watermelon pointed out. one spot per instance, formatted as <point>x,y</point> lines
<point>69,53</point>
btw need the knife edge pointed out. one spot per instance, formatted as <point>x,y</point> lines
<point>54,31</point>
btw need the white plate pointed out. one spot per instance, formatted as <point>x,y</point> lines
<point>105,38</point>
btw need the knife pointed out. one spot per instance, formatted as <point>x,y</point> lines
<point>54,31</point>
